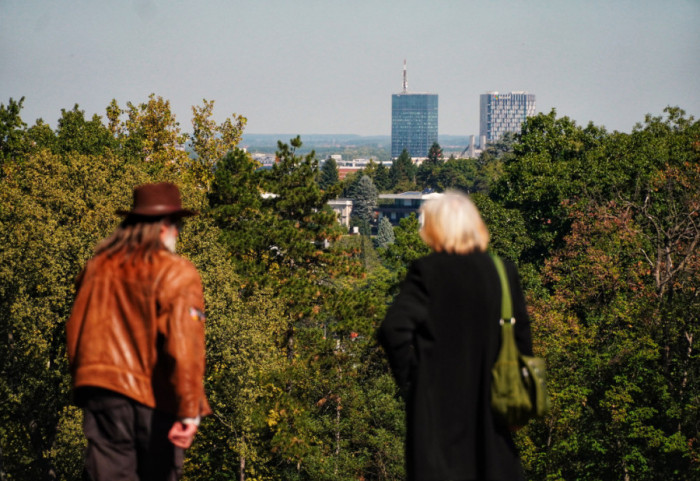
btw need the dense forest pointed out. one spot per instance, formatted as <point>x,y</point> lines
<point>604,227</point>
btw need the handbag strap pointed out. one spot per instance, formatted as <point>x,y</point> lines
<point>506,304</point>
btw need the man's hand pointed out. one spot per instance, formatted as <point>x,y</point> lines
<point>181,435</point>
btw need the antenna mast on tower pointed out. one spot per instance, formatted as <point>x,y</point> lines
<point>405,82</point>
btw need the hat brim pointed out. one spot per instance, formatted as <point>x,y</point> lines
<point>158,211</point>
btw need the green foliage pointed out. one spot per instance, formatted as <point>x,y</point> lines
<point>365,202</point>
<point>385,233</point>
<point>550,165</point>
<point>622,309</point>
<point>630,417</point>
<point>77,135</point>
<point>402,174</point>
<point>12,131</point>
<point>407,246</point>
<point>509,237</point>
<point>382,178</point>
<point>467,175</point>
<point>603,226</point>
<point>501,148</point>
<point>211,141</point>
<point>244,339</point>
<point>434,154</point>
<point>151,133</point>
<point>427,176</point>
<point>329,174</point>
<point>457,174</point>
<point>57,201</point>
<point>349,184</point>
<point>363,226</point>
<point>53,209</point>
<point>306,402</point>
<point>301,220</point>
<point>236,201</point>
<point>66,453</point>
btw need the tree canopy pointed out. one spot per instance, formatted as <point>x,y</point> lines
<point>364,202</point>
<point>604,227</point>
<point>329,174</point>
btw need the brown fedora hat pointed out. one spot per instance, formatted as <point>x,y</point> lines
<point>156,200</point>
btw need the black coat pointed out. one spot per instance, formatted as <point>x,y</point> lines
<point>442,337</point>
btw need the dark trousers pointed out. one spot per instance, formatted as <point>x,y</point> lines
<point>127,440</point>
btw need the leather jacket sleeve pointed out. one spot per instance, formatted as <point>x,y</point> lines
<point>181,338</point>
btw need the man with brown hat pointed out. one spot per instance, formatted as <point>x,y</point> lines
<point>136,344</point>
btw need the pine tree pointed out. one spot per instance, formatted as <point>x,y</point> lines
<point>385,233</point>
<point>435,154</point>
<point>364,203</point>
<point>381,178</point>
<point>329,174</point>
<point>403,173</point>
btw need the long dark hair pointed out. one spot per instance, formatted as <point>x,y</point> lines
<point>137,237</point>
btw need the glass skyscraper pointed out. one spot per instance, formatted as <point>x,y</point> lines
<point>414,123</point>
<point>501,113</point>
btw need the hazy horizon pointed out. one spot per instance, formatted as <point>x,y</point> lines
<point>331,67</point>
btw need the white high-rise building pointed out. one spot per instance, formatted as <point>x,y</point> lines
<point>501,113</point>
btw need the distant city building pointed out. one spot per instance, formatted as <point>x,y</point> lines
<point>343,209</point>
<point>346,167</point>
<point>502,113</point>
<point>414,121</point>
<point>397,206</point>
<point>266,161</point>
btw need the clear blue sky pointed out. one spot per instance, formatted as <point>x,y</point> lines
<point>330,66</point>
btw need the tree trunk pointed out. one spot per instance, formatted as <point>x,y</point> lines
<point>241,472</point>
<point>2,466</point>
<point>626,476</point>
<point>290,343</point>
<point>46,465</point>
<point>338,408</point>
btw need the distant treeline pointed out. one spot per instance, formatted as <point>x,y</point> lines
<point>349,146</point>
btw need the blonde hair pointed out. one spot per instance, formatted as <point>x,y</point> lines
<point>451,223</point>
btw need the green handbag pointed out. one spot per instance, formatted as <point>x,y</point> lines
<point>518,387</point>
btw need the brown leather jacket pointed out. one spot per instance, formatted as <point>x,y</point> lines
<point>137,328</point>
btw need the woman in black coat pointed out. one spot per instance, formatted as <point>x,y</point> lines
<point>442,336</point>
